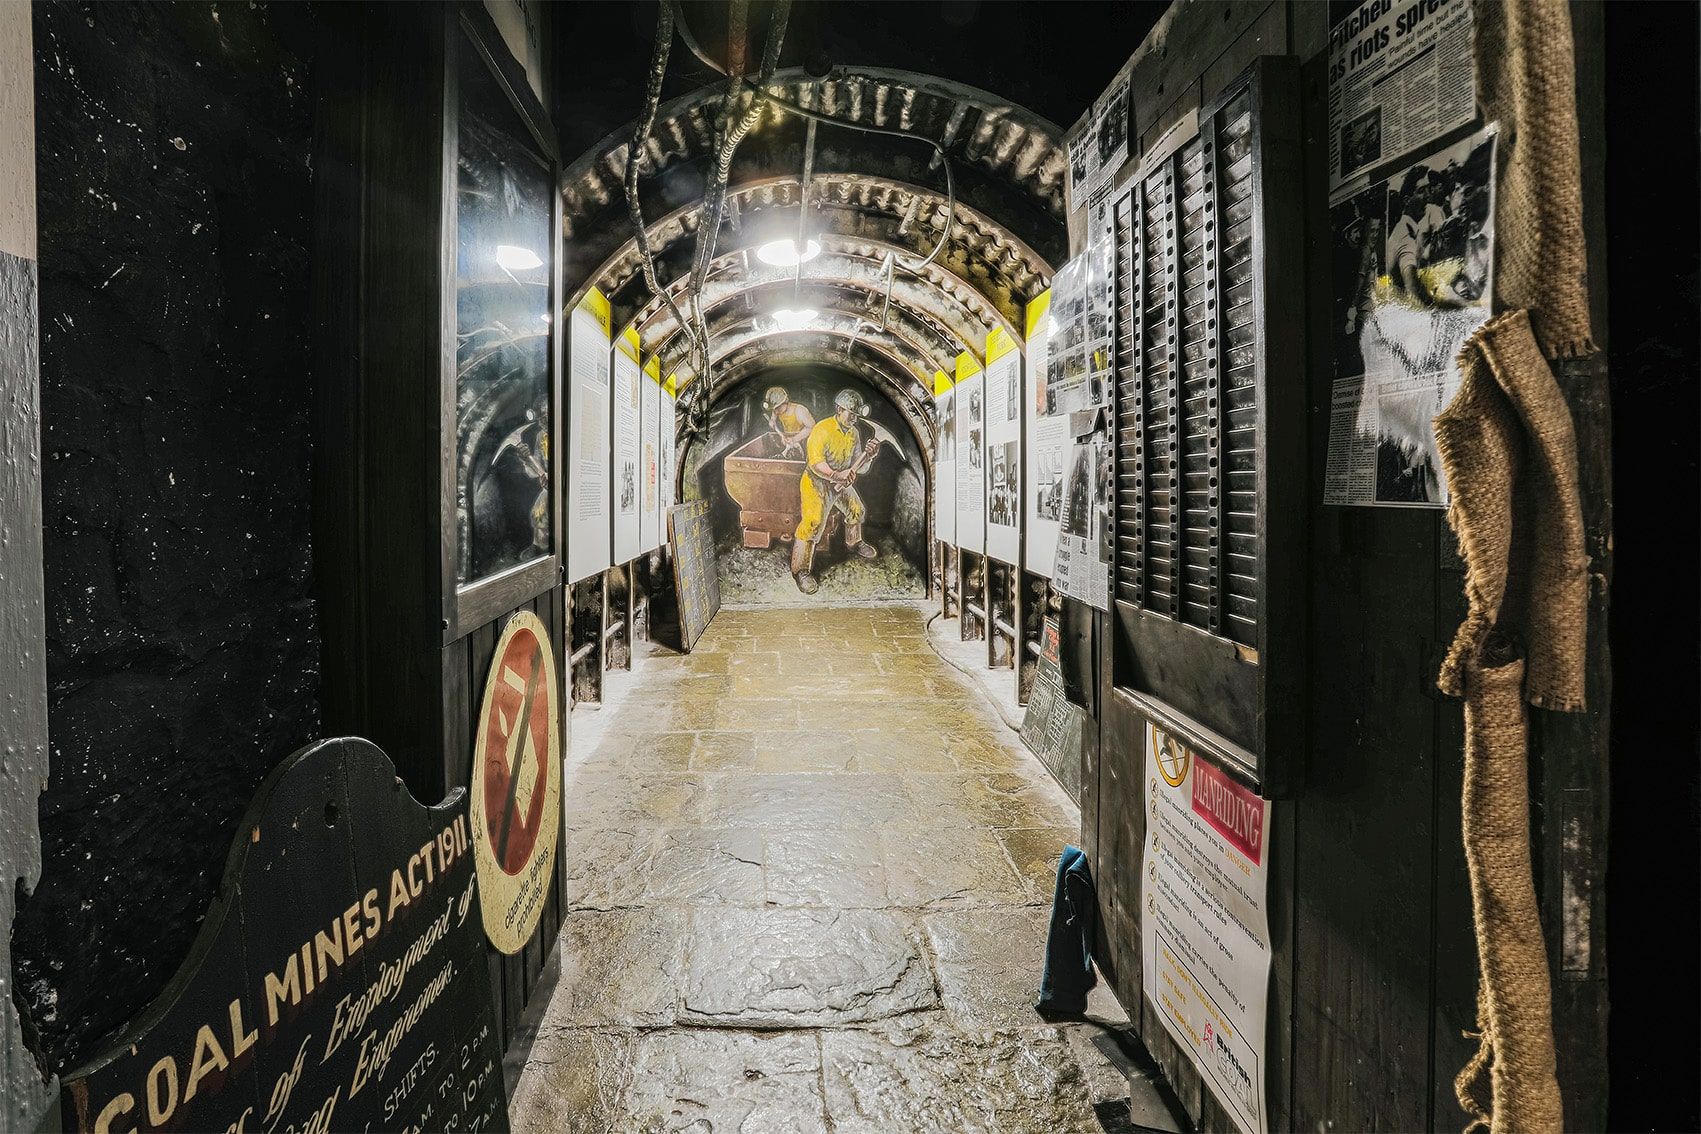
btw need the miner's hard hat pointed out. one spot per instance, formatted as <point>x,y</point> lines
<point>850,400</point>
<point>775,398</point>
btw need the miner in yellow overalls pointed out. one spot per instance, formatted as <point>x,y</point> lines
<point>788,419</point>
<point>833,455</point>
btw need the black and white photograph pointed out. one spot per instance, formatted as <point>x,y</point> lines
<point>628,485</point>
<point>1408,473</point>
<point>975,439</point>
<point>1048,491</point>
<point>1004,481</point>
<point>1358,225</point>
<point>1104,491</point>
<point>947,442</point>
<point>1402,327</point>
<point>1438,228</point>
<point>1361,141</point>
<point>1113,131</point>
<point>1077,512</point>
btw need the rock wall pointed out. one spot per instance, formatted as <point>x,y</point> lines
<point>175,204</point>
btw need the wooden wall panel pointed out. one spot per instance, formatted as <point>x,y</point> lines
<point>1370,914</point>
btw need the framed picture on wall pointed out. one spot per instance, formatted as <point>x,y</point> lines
<point>502,404</point>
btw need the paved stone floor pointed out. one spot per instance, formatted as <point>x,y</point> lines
<point>810,871</point>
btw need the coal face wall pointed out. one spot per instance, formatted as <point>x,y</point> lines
<point>175,203</point>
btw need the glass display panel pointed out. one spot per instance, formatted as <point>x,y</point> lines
<point>503,509</point>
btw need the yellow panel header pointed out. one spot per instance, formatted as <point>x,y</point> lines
<point>653,369</point>
<point>942,382</point>
<point>998,344</point>
<point>1038,310</point>
<point>672,385</point>
<point>967,366</point>
<point>627,343</point>
<point>596,303</point>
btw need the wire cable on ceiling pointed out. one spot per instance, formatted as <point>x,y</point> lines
<point>640,139</point>
<point>670,14</point>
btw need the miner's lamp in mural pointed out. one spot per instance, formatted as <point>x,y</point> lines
<point>338,982</point>
<point>515,785</point>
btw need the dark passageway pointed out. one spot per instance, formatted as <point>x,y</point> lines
<point>675,567</point>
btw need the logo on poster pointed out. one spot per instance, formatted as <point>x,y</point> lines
<point>516,783</point>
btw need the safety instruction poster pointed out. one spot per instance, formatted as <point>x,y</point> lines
<point>1401,75</point>
<point>587,439</point>
<point>1047,444</point>
<point>1413,259</point>
<point>1204,923</point>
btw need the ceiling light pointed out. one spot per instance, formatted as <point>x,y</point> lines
<point>517,259</point>
<point>783,253</point>
<point>788,320</point>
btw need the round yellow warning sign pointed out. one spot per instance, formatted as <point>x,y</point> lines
<point>1170,754</point>
<point>515,808</point>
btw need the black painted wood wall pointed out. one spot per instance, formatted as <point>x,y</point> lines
<point>1375,965</point>
<point>397,671</point>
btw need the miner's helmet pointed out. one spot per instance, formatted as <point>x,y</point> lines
<point>775,398</point>
<point>849,400</point>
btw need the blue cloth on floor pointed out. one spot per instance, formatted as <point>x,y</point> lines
<point>1069,943</point>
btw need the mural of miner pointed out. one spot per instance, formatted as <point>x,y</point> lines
<point>834,456</point>
<point>793,422</point>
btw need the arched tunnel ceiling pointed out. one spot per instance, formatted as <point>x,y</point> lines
<point>870,196</point>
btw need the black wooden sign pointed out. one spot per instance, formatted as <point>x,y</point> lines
<point>338,983</point>
<point>1052,725</point>
<point>695,577</point>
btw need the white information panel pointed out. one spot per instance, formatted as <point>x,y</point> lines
<point>649,461</point>
<point>945,460</point>
<point>587,439</point>
<point>628,477</point>
<point>1003,446</point>
<point>1204,923</point>
<point>667,447</point>
<point>1047,444</point>
<point>971,455</point>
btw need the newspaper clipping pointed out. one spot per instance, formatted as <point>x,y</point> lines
<point>1086,543</point>
<point>1400,76</point>
<point>1098,151</point>
<point>1412,263</point>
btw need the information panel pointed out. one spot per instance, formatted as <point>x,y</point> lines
<point>628,448</point>
<point>1047,444</point>
<point>945,459</point>
<point>1204,923</point>
<point>587,439</point>
<point>971,454</point>
<point>338,982</point>
<point>696,576</point>
<point>1003,446</point>
<point>667,443</point>
<point>649,460</point>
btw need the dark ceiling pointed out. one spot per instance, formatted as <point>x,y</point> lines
<point>1050,58</point>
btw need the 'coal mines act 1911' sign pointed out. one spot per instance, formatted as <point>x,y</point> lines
<point>339,981</point>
